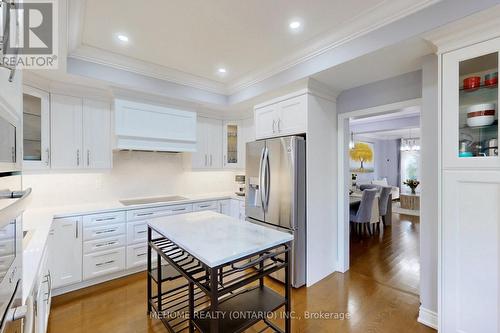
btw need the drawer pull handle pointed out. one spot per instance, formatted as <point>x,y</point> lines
<point>106,244</point>
<point>145,214</point>
<point>178,209</point>
<point>142,232</point>
<point>106,219</point>
<point>105,231</point>
<point>204,206</point>
<point>104,263</point>
<point>141,254</point>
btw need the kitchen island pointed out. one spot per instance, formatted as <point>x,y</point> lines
<point>219,264</point>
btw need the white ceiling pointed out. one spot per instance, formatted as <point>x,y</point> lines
<point>391,61</point>
<point>249,38</point>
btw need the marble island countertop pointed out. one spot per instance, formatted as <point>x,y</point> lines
<point>217,239</point>
<point>37,222</point>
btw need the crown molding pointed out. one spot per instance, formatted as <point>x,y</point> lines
<point>470,30</point>
<point>361,24</point>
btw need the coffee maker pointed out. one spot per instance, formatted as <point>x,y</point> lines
<point>240,182</point>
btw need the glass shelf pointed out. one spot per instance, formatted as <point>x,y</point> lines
<point>478,141</point>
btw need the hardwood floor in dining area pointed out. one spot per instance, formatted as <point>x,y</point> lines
<point>378,294</point>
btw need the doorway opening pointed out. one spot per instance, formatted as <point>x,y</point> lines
<point>380,194</point>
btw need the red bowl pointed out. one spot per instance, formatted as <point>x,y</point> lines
<point>472,82</point>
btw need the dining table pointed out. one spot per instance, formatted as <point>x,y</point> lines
<point>355,200</point>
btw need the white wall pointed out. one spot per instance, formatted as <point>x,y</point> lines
<point>134,174</point>
<point>321,151</point>
<point>429,212</point>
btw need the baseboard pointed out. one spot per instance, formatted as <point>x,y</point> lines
<point>428,318</point>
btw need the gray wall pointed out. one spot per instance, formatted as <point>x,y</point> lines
<point>429,192</point>
<point>397,89</point>
<point>419,84</point>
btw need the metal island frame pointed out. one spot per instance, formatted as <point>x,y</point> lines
<point>228,297</point>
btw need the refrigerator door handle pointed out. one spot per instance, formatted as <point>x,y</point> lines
<point>261,178</point>
<point>267,171</point>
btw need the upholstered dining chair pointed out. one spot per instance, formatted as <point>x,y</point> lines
<point>362,217</point>
<point>363,187</point>
<point>383,202</point>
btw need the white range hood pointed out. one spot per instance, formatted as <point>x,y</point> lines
<point>140,126</point>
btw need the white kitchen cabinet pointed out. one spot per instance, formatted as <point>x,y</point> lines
<point>65,251</point>
<point>97,134</point>
<point>80,133</point>
<point>43,295</point>
<point>102,263</point>
<point>466,145</point>
<point>225,207</point>
<point>238,209</point>
<point>36,128</point>
<point>66,132</point>
<point>232,145</point>
<point>287,117</point>
<point>208,153</point>
<point>206,206</point>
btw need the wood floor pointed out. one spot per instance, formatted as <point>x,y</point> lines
<point>378,294</point>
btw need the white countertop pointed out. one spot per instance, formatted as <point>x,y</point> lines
<point>216,239</point>
<point>39,220</point>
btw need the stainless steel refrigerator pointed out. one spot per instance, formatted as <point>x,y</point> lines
<point>276,194</point>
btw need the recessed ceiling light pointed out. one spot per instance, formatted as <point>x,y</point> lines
<point>294,25</point>
<point>222,70</point>
<point>122,38</point>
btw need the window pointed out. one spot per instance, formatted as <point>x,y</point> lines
<point>410,168</point>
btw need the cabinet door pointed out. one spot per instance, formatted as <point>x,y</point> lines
<point>36,128</point>
<point>65,251</point>
<point>232,145</point>
<point>199,159</point>
<point>66,132</point>
<point>96,134</point>
<point>470,109</point>
<point>292,116</point>
<point>225,207</point>
<point>214,140</point>
<point>265,121</point>
<point>470,252</point>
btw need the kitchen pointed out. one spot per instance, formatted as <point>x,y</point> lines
<point>189,181</point>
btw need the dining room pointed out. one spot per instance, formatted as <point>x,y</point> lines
<point>384,192</point>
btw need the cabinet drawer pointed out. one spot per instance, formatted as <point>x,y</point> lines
<point>103,244</point>
<point>137,232</point>
<point>106,218</point>
<point>207,205</point>
<point>103,231</point>
<point>137,255</point>
<point>104,262</point>
<point>148,213</point>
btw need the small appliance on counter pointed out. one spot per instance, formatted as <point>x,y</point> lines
<point>240,181</point>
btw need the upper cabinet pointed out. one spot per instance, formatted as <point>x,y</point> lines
<point>281,118</point>
<point>96,134</point>
<point>80,133</point>
<point>36,129</point>
<point>470,106</point>
<point>208,153</point>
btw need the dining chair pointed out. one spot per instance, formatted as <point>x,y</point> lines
<point>363,187</point>
<point>383,202</point>
<point>362,217</point>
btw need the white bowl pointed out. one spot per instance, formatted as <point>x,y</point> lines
<point>480,121</point>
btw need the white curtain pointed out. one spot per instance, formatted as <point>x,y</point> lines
<point>410,168</point>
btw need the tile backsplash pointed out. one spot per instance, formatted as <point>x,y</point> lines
<point>134,174</point>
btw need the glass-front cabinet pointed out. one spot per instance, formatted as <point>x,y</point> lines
<point>232,145</point>
<point>36,134</point>
<point>470,106</point>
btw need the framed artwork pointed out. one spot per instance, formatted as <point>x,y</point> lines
<point>362,157</point>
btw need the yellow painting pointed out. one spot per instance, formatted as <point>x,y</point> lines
<point>362,157</point>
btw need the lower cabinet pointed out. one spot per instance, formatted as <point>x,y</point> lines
<point>65,251</point>
<point>86,247</point>
<point>103,263</point>
<point>43,296</point>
